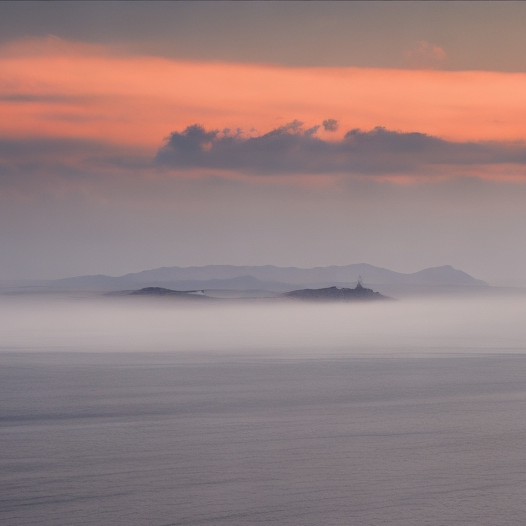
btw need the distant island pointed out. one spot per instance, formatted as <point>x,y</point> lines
<point>196,295</point>
<point>160,291</point>
<point>329,294</point>
<point>359,293</point>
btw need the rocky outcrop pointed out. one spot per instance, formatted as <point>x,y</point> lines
<point>160,291</point>
<point>360,293</point>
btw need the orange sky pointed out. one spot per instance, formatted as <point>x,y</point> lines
<point>138,100</point>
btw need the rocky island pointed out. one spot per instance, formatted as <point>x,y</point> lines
<point>161,291</point>
<point>359,293</point>
<point>329,294</point>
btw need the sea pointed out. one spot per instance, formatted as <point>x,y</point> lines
<point>409,413</point>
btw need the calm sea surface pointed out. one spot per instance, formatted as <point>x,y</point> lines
<point>234,439</point>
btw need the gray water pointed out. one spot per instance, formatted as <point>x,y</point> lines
<point>388,434</point>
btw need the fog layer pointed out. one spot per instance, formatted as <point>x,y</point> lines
<point>286,329</point>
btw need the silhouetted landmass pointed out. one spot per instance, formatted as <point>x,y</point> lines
<point>160,291</point>
<point>444,275</point>
<point>359,293</point>
<point>157,291</point>
<point>263,281</point>
<point>268,277</point>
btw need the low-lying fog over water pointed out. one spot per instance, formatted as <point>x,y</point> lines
<point>286,328</point>
<point>129,412</point>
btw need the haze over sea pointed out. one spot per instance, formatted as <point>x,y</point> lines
<point>141,411</point>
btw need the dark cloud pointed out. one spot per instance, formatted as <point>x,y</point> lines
<point>79,152</point>
<point>36,148</point>
<point>47,98</point>
<point>292,149</point>
<point>330,125</point>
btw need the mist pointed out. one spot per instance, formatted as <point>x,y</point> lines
<point>428,326</point>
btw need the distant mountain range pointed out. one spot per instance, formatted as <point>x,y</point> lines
<point>271,278</point>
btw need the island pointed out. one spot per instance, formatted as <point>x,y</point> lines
<point>164,292</point>
<point>329,294</point>
<point>359,293</point>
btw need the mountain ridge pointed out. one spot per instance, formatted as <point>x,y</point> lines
<point>270,277</point>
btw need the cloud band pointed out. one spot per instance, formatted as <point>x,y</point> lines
<point>292,149</point>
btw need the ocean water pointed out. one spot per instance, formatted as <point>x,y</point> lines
<point>336,417</point>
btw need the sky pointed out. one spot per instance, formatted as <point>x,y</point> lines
<point>135,135</point>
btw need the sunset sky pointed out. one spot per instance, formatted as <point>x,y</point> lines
<point>137,135</point>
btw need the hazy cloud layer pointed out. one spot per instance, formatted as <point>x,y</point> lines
<point>424,55</point>
<point>29,97</point>
<point>33,166</point>
<point>292,149</point>
<point>43,153</point>
<point>476,35</point>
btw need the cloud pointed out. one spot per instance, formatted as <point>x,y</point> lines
<point>53,88</point>
<point>76,152</point>
<point>38,165</point>
<point>423,55</point>
<point>330,125</point>
<point>33,165</point>
<point>50,98</point>
<point>292,149</point>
